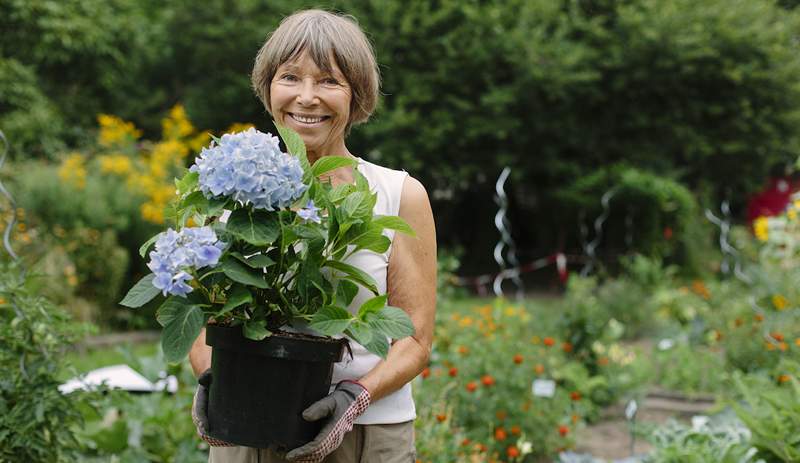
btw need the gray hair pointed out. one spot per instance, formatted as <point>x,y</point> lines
<point>322,34</point>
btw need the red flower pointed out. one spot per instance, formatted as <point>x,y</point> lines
<point>500,434</point>
<point>487,380</point>
<point>563,430</point>
<point>465,442</point>
<point>463,350</point>
<point>512,452</point>
<point>567,347</point>
<point>667,233</point>
<point>518,359</point>
<point>776,336</point>
<point>515,430</point>
<point>441,418</point>
<point>471,386</point>
<point>480,447</point>
<point>575,395</point>
<point>539,368</point>
<point>548,341</point>
<point>453,371</point>
<point>426,372</point>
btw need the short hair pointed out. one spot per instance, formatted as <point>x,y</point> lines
<point>322,34</point>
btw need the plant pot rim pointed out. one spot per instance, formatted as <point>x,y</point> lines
<point>281,344</point>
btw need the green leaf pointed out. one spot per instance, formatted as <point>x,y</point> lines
<point>143,249</point>
<point>355,273</point>
<point>295,145</point>
<point>259,228</point>
<point>141,293</point>
<point>392,322</point>
<point>393,222</point>
<point>379,346</point>
<point>256,330</point>
<point>196,200</point>
<point>328,163</point>
<point>339,192</point>
<point>373,240</point>
<point>346,290</point>
<point>171,309</point>
<point>331,320</point>
<point>187,183</point>
<point>179,335</point>
<point>372,305</point>
<point>216,206</point>
<point>360,331</point>
<point>359,204</point>
<point>240,273</point>
<point>254,261</point>
<point>237,296</point>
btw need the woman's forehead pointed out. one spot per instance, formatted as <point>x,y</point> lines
<point>303,61</point>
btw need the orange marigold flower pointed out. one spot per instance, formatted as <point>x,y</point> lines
<point>426,372</point>
<point>548,341</point>
<point>471,386</point>
<point>575,419</point>
<point>500,434</point>
<point>776,336</point>
<point>783,378</point>
<point>783,346</point>
<point>480,447</point>
<point>718,335</point>
<point>518,359</point>
<point>512,451</point>
<point>738,322</point>
<point>567,347</point>
<point>602,361</point>
<point>501,415</point>
<point>797,342</point>
<point>758,317</point>
<point>465,442</point>
<point>563,430</point>
<point>539,368</point>
<point>453,371</point>
<point>487,380</point>
<point>515,430</point>
<point>463,350</point>
<point>441,418</point>
<point>575,395</point>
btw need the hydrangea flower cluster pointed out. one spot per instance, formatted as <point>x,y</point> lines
<point>250,168</point>
<point>192,247</point>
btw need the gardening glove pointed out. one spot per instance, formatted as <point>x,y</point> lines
<point>200,410</point>
<point>342,406</point>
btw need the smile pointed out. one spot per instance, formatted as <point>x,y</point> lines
<point>308,120</point>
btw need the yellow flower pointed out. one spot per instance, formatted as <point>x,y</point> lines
<point>792,214</point>
<point>239,127</point>
<point>114,131</point>
<point>510,311</point>
<point>118,164</point>
<point>197,142</point>
<point>797,203</point>
<point>72,170</point>
<point>176,125</point>
<point>761,228</point>
<point>779,302</point>
<point>466,321</point>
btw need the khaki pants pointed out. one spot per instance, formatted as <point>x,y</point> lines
<point>374,443</point>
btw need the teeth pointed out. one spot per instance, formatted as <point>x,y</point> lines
<point>307,120</point>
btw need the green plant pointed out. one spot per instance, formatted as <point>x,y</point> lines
<point>726,441</point>
<point>266,265</point>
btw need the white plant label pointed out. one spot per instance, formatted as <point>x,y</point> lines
<point>630,410</point>
<point>543,388</point>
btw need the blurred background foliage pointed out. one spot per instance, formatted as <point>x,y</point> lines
<point>674,104</point>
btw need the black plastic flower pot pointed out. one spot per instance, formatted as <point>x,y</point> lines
<point>259,389</point>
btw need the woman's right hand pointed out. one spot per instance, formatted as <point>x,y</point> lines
<point>200,410</point>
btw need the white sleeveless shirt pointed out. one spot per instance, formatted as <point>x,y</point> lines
<point>398,406</point>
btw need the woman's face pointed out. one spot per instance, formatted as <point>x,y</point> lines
<point>313,103</point>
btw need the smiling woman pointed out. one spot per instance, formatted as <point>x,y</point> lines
<point>317,75</point>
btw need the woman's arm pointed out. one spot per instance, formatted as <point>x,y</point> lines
<point>200,354</point>
<point>411,284</point>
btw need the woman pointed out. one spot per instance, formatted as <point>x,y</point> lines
<point>317,74</point>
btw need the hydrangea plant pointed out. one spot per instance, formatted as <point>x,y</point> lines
<point>280,258</point>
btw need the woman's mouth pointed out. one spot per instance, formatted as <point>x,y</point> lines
<point>307,119</point>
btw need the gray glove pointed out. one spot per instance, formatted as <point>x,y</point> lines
<point>341,407</point>
<point>200,410</point>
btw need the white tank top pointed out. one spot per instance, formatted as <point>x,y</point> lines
<point>398,406</point>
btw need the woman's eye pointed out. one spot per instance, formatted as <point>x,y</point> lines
<point>330,81</point>
<point>290,77</point>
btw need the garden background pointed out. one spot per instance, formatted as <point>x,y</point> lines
<point>674,105</point>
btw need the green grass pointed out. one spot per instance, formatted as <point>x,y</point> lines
<point>89,360</point>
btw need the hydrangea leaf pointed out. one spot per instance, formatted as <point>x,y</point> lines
<point>379,346</point>
<point>240,273</point>
<point>392,322</point>
<point>346,290</point>
<point>331,320</point>
<point>143,248</point>
<point>258,228</point>
<point>187,183</point>
<point>195,200</point>
<point>372,305</point>
<point>340,192</point>
<point>360,331</point>
<point>359,204</point>
<point>256,330</point>
<point>328,163</point>
<point>141,293</point>
<point>355,274</point>
<point>179,335</point>
<point>237,296</point>
<point>254,261</point>
<point>393,222</point>
<point>294,145</point>
<point>170,309</point>
<point>373,240</point>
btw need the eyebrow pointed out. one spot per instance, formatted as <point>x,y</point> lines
<point>294,68</point>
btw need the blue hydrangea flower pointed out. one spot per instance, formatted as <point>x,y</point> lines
<point>309,213</point>
<point>192,247</point>
<point>250,168</point>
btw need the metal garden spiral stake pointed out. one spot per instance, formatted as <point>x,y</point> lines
<point>729,253</point>
<point>506,241</point>
<point>13,220</point>
<point>589,248</point>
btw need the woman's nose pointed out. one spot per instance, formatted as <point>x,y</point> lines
<point>307,93</point>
